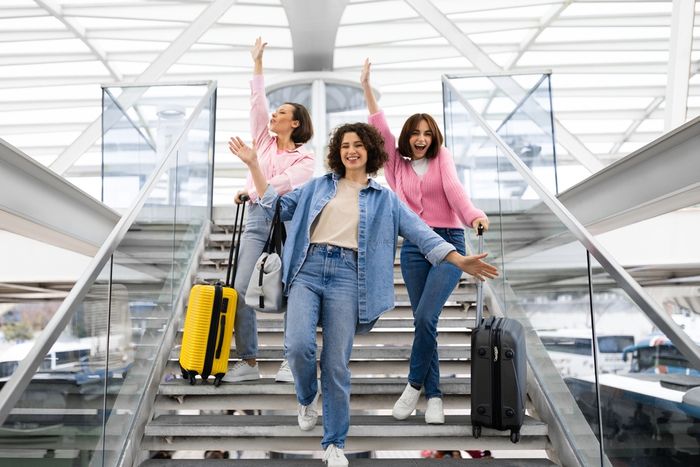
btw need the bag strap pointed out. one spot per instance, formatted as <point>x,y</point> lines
<point>233,263</point>
<point>277,234</point>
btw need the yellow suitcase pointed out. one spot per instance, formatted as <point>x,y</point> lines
<point>211,311</point>
<point>206,341</point>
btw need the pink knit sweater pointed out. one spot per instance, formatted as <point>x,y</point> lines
<point>438,197</point>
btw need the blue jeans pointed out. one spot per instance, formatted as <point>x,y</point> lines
<point>245,329</point>
<point>429,287</point>
<point>325,294</point>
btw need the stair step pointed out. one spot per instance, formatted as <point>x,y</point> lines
<point>367,432</point>
<point>355,462</point>
<point>366,394</point>
<point>360,368</point>
<point>387,352</point>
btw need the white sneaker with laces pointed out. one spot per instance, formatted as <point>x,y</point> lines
<point>434,414</point>
<point>406,403</point>
<point>284,374</point>
<point>241,371</point>
<point>308,414</point>
<point>334,457</point>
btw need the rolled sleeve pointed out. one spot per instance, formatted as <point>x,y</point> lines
<point>437,255</point>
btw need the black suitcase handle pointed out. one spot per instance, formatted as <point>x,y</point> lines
<point>480,284</point>
<point>233,263</point>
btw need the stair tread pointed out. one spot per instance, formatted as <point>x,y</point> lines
<point>375,386</point>
<point>355,462</point>
<point>286,425</point>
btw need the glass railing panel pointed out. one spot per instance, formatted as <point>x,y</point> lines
<point>61,413</point>
<point>543,278</point>
<point>649,414</point>
<point>140,125</point>
<point>519,109</point>
<point>106,354</point>
<point>144,272</point>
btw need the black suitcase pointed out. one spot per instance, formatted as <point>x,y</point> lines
<point>498,372</point>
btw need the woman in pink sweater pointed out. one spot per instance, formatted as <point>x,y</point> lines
<point>422,173</point>
<point>287,164</point>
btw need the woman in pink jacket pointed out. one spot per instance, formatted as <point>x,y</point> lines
<point>422,173</point>
<point>287,164</point>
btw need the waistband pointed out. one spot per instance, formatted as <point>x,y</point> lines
<point>332,250</point>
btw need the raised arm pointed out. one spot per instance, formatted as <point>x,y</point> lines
<point>372,105</point>
<point>257,53</point>
<point>259,107</point>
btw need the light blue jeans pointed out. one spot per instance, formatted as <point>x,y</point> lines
<point>245,329</point>
<point>429,287</point>
<point>325,294</point>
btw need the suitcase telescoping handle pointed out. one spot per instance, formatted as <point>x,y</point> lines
<point>237,227</point>
<point>479,283</point>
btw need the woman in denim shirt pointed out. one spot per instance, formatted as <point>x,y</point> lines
<point>338,268</point>
<point>422,173</point>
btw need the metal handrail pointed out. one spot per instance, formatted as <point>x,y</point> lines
<point>669,327</point>
<point>18,382</point>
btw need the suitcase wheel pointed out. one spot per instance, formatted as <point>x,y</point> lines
<point>514,436</point>
<point>217,379</point>
<point>191,378</point>
<point>476,431</point>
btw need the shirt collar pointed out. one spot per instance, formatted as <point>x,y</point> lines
<point>372,182</point>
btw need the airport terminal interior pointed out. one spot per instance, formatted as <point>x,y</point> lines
<point>573,124</point>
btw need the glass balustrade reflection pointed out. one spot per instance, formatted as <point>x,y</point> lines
<point>622,391</point>
<point>543,278</point>
<point>82,402</point>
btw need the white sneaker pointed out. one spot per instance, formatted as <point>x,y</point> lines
<point>434,414</point>
<point>334,457</point>
<point>308,414</point>
<point>241,371</point>
<point>406,403</point>
<point>284,374</point>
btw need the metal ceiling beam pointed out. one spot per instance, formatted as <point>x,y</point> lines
<point>680,49</point>
<point>35,203</point>
<point>157,68</point>
<point>659,178</point>
<point>73,26</point>
<point>483,62</point>
<point>314,26</point>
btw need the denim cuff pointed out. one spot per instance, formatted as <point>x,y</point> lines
<point>269,197</point>
<point>437,255</point>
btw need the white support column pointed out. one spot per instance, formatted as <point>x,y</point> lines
<point>160,65</point>
<point>680,48</point>
<point>318,117</point>
<point>433,16</point>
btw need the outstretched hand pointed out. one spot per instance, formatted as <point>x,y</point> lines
<point>474,265</point>
<point>245,153</point>
<point>364,76</point>
<point>257,50</point>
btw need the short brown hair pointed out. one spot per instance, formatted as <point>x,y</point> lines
<point>410,125</point>
<point>305,130</point>
<point>370,137</point>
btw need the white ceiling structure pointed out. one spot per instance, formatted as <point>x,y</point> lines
<point>622,71</point>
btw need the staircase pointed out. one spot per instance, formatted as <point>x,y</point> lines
<point>258,419</point>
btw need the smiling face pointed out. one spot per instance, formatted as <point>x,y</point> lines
<point>282,121</point>
<point>353,153</point>
<point>420,139</point>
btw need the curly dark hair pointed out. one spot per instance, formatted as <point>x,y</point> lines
<point>370,137</point>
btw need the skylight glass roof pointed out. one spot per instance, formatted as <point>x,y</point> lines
<point>609,61</point>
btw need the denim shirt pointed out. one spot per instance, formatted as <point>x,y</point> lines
<point>382,218</point>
